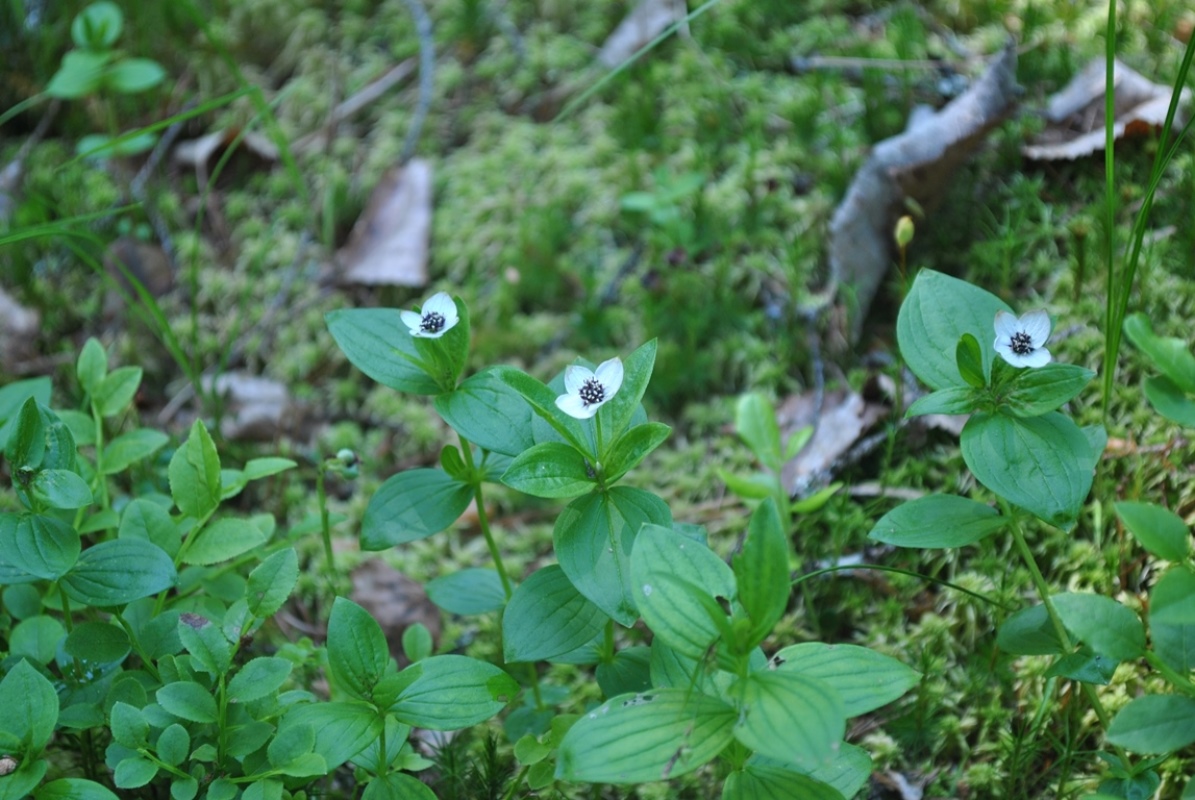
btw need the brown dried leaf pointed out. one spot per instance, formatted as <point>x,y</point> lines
<point>389,243</point>
<point>916,164</point>
<point>18,332</point>
<point>199,153</point>
<point>841,421</point>
<point>1075,114</point>
<point>649,19</point>
<point>256,408</point>
<point>395,601</point>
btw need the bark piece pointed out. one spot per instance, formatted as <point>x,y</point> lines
<point>649,19</point>
<point>389,244</point>
<point>917,164</point>
<point>256,408</point>
<point>1075,114</point>
<point>18,332</point>
<point>842,420</point>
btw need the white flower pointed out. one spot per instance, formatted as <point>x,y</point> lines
<point>435,319</point>
<point>1021,342</point>
<point>587,391</point>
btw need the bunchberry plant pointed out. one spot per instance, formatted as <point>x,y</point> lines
<point>1039,465</point>
<point>704,689</point>
<point>130,623</point>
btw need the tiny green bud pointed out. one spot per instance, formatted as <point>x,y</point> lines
<point>904,231</point>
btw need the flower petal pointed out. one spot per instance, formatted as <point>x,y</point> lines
<point>412,320</point>
<point>1038,358</point>
<point>1006,325</point>
<point>609,375</point>
<point>1004,348</point>
<point>575,407</point>
<point>1037,325</point>
<point>575,376</point>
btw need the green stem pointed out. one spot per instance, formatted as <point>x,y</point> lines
<point>608,642</point>
<point>1043,591</point>
<point>597,421</point>
<point>516,783</point>
<point>1178,680</point>
<point>325,527</point>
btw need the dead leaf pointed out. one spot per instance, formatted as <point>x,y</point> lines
<point>146,262</point>
<point>389,243</point>
<point>649,19</point>
<point>255,408</point>
<point>10,183</point>
<point>917,165</point>
<point>198,153</point>
<point>843,418</point>
<point>395,601</point>
<point>18,332</point>
<point>1076,113</point>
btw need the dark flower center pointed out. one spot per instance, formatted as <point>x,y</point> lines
<point>1022,343</point>
<point>592,392</point>
<point>432,322</point>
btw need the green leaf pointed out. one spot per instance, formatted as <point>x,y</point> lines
<point>97,26</point>
<point>1042,464</point>
<point>630,671</point>
<point>92,365</point>
<point>1107,626</point>
<point>259,677</point>
<point>951,400</point>
<point>1160,531</point>
<point>134,772</point>
<point>669,575</point>
<point>12,399</point>
<point>1084,665</point>
<point>26,446</point>
<point>271,583</point>
<point>131,447</point>
<point>1154,724</point>
<point>969,359</point>
<point>548,617</point>
<point>20,783</point>
<point>39,545</point>
<point>73,789</point>
<point>447,355</point>
<point>174,744</point>
<point>848,772</point>
<point>37,638</point>
<point>467,592</point>
<point>397,786</point>
<point>635,738</point>
<point>863,679</point>
<point>188,700</point>
<point>376,341</point>
<point>270,788</point>
<point>417,642</point>
<point>81,426</point>
<point>412,505</point>
<point>939,520</point>
<point>755,422</point>
<point>221,540</point>
<point>98,642</point>
<point>1172,619</point>
<point>761,571</point>
<point>767,782</point>
<point>195,474</point>
<point>129,726</point>
<point>1034,392</point>
<point>790,716</point>
<point>632,447</point>
<point>594,536</point>
<point>447,693</point>
<point>117,390</point>
<point>357,650</point>
<point>150,522</point>
<point>489,413</point>
<point>117,572</point>
<point>1029,632</point>
<point>551,469</point>
<point>1169,401</point>
<point>1172,356</point>
<point>258,468</point>
<point>133,75</point>
<point>619,412</point>
<point>290,744</point>
<point>938,310</point>
<point>60,488</point>
<point>755,486</point>
<point>210,651</point>
<point>30,707</point>
<point>80,75</point>
<point>542,400</point>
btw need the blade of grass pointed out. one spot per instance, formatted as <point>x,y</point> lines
<point>1120,285</point>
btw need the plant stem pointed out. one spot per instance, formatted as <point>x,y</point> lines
<point>1043,591</point>
<point>325,528</point>
<point>1177,680</point>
